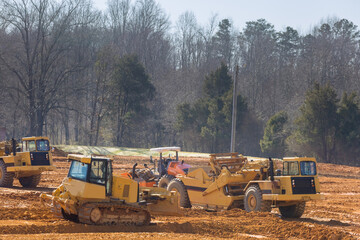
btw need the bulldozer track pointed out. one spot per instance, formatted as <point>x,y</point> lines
<point>112,214</point>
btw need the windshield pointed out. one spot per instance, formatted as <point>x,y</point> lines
<point>42,145</point>
<point>29,146</point>
<point>308,168</point>
<point>78,170</point>
<point>291,168</point>
<point>98,171</point>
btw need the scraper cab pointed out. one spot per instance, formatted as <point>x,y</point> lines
<point>25,161</point>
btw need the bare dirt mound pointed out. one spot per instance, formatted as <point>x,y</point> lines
<point>341,171</point>
<point>58,152</point>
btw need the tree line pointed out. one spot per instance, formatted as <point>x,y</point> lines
<point>126,76</point>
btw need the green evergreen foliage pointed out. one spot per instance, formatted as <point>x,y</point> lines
<point>206,121</point>
<point>132,90</point>
<point>273,143</point>
<point>288,42</point>
<point>316,127</point>
<point>217,83</point>
<point>224,31</point>
<point>328,129</point>
<point>132,84</point>
<point>348,134</point>
<point>206,125</point>
<point>223,41</point>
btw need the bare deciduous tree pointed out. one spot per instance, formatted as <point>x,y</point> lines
<point>36,56</point>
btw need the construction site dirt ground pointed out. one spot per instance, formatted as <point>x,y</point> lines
<point>337,216</point>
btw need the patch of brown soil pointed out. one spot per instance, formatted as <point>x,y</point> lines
<point>337,216</point>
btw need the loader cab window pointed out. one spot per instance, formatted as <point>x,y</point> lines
<point>291,168</point>
<point>43,145</point>
<point>98,171</point>
<point>29,146</point>
<point>308,168</point>
<point>78,170</point>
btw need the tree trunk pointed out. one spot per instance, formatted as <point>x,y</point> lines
<point>97,130</point>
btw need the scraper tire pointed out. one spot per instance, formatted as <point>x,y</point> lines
<point>6,178</point>
<point>30,182</point>
<point>293,211</point>
<point>178,186</point>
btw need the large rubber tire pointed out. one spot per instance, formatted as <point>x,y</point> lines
<point>6,178</point>
<point>30,182</point>
<point>165,180</point>
<point>178,186</point>
<point>253,201</point>
<point>293,211</point>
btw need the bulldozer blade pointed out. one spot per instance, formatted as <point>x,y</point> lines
<point>164,203</point>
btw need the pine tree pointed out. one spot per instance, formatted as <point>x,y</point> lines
<point>273,143</point>
<point>316,127</point>
<point>348,134</point>
<point>218,83</point>
<point>132,89</point>
<point>223,42</point>
<point>206,125</point>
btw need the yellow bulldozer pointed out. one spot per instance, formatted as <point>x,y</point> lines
<point>25,161</point>
<point>91,194</point>
<point>235,181</point>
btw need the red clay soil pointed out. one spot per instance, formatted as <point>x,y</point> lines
<point>22,216</point>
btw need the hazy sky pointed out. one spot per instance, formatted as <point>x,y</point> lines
<point>299,14</point>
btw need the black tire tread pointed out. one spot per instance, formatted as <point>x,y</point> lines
<point>30,182</point>
<point>265,206</point>
<point>7,178</point>
<point>293,211</point>
<point>180,187</point>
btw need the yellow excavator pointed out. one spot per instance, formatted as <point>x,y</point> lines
<point>91,194</point>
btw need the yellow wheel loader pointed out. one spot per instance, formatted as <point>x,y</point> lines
<point>235,181</point>
<point>91,194</point>
<point>24,161</point>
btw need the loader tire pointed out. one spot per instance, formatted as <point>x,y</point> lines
<point>6,178</point>
<point>293,211</point>
<point>30,182</point>
<point>165,180</point>
<point>253,201</point>
<point>178,186</point>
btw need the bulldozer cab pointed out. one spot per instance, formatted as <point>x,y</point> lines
<point>92,170</point>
